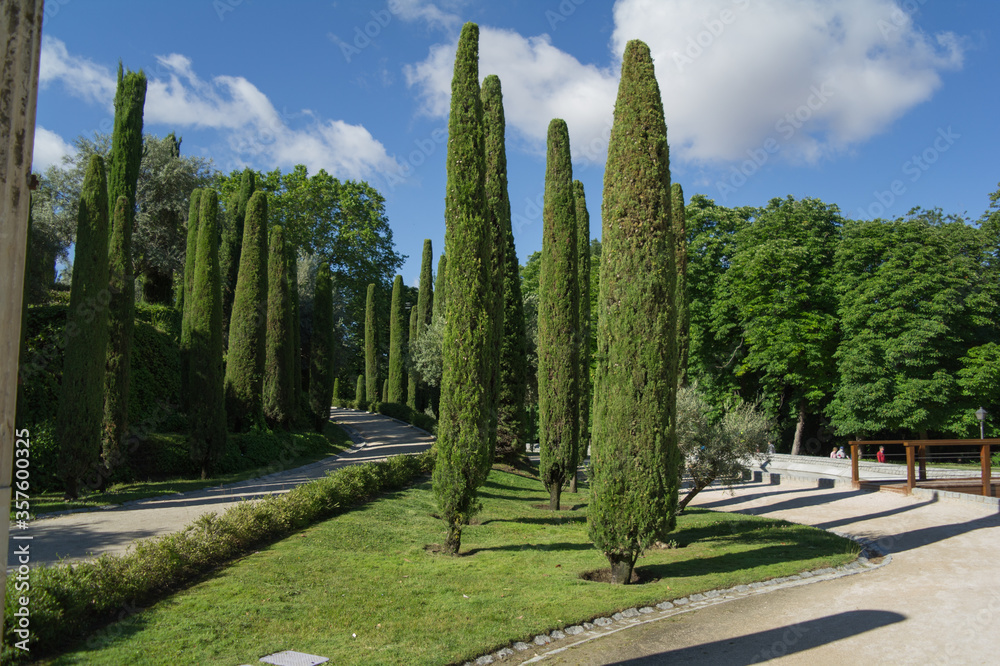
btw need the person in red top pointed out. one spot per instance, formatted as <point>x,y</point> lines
<point>880,456</point>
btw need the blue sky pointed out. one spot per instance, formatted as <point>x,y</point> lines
<point>874,105</point>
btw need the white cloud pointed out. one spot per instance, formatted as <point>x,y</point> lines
<point>817,76</point>
<point>434,16</point>
<point>49,149</point>
<point>254,131</point>
<point>539,81</point>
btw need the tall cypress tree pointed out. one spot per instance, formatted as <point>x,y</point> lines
<point>189,261</point>
<point>397,339</point>
<point>440,301</point>
<point>81,406</point>
<point>463,453</point>
<point>371,363</point>
<point>583,280</point>
<point>336,392</point>
<point>511,346</point>
<point>634,458</point>
<point>296,323</point>
<point>424,313</point>
<point>321,363</point>
<point>208,405</point>
<point>231,248</point>
<point>123,176</point>
<point>279,399</point>
<point>440,294</point>
<point>360,397</point>
<point>679,227</point>
<point>245,361</point>
<point>558,320</point>
<point>411,386</point>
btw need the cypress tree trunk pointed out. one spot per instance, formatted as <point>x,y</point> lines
<point>512,345</point>
<point>123,175</point>
<point>247,329</point>
<point>558,320</point>
<point>679,226</point>
<point>424,313</point>
<point>411,388</point>
<point>336,392</point>
<point>81,405</point>
<point>279,384</point>
<point>208,405</point>
<point>360,397</point>
<point>583,280</point>
<point>371,367</point>
<point>231,248</point>
<point>634,458</point>
<point>321,366</point>
<point>189,261</point>
<point>463,454</point>
<point>397,333</point>
<point>385,390</point>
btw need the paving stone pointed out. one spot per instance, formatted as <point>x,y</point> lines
<point>504,653</point>
<point>557,635</point>
<point>711,594</point>
<point>682,601</point>
<point>696,597</point>
<point>630,612</point>
<point>646,610</point>
<point>542,639</point>
<point>575,630</point>
<point>603,621</point>
<point>521,647</point>
<point>617,617</point>
<point>485,660</point>
<point>742,588</point>
<point>587,626</point>
<point>806,574</point>
<point>665,605</point>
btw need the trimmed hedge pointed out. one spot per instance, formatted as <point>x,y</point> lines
<point>68,603</point>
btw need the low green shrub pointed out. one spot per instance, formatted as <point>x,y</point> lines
<point>405,413</point>
<point>67,602</point>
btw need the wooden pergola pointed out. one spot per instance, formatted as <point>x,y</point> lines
<point>916,456</point>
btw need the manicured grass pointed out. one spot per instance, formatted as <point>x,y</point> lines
<point>120,493</point>
<point>363,588</point>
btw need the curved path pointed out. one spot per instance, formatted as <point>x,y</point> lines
<point>937,601</point>
<point>82,535</point>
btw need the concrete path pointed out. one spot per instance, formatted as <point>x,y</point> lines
<point>936,602</point>
<point>77,536</point>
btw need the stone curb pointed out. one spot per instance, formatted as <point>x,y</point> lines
<point>555,642</point>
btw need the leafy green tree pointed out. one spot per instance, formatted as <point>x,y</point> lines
<point>717,449</point>
<point>463,453</point>
<point>781,286</point>
<point>279,383</point>
<point>558,320</point>
<point>189,263</point>
<point>208,405</point>
<point>634,457</point>
<point>397,344</point>
<point>244,382</point>
<point>232,244</point>
<point>123,174</point>
<point>371,359</point>
<point>81,406</point>
<point>321,368</point>
<point>680,242</point>
<point>583,282</point>
<point>911,312</point>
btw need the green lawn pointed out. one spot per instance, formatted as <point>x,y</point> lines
<point>364,588</point>
<point>120,493</point>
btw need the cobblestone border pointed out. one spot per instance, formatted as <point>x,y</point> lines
<point>560,640</point>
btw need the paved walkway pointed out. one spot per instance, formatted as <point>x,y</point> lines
<point>936,602</point>
<point>77,536</point>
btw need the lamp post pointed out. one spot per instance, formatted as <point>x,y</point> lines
<point>981,415</point>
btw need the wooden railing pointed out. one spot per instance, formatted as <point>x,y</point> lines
<point>916,457</point>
